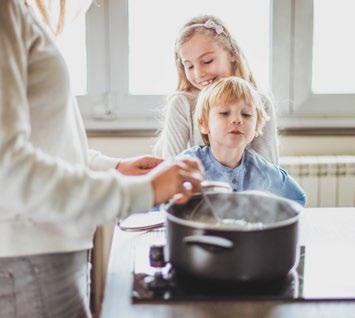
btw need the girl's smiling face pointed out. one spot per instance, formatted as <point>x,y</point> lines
<point>205,61</point>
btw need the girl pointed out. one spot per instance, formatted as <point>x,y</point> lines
<point>205,52</point>
<point>51,197</point>
<point>230,116</point>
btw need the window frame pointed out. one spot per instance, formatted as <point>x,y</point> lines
<point>97,60</point>
<point>298,106</point>
<point>291,48</point>
<point>108,105</point>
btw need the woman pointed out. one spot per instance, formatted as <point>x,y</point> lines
<point>54,191</point>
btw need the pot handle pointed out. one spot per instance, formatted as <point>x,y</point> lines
<point>208,241</point>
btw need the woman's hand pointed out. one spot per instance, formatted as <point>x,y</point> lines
<point>181,178</point>
<point>138,165</point>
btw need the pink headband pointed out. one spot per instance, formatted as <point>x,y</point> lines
<point>210,24</point>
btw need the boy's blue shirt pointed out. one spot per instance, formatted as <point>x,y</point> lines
<point>253,173</point>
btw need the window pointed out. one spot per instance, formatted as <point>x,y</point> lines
<point>294,51</point>
<point>333,51</point>
<point>72,43</point>
<point>154,25</point>
<point>304,66</point>
<point>137,53</point>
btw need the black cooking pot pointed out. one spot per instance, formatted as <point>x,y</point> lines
<point>260,245</point>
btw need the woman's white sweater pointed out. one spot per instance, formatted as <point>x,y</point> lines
<point>51,197</point>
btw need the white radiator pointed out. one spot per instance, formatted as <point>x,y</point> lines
<point>327,180</point>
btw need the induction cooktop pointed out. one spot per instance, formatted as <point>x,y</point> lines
<point>322,273</point>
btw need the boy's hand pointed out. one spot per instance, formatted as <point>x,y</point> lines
<point>138,165</point>
<point>182,177</point>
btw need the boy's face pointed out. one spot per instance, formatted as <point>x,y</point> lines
<point>231,126</point>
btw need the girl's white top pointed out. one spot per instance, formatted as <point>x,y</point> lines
<point>180,129</point>
<point>52,194</point>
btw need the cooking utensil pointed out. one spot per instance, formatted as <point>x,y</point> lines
<point>143,221</point>
<point>208,186</point>
<point>155,219</point>
<point>230,251</point>
<point>206,200</point>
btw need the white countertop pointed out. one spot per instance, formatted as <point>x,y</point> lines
<point>319,228</point>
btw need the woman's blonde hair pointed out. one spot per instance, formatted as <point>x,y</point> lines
<point>224,39</point>
<point>43,10</point>
<point>227,91</point>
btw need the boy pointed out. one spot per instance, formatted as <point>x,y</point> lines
<point>230,114</point>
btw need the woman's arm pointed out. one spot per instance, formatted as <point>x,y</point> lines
<point>36,185</point>
<point>176,132</point>
<point>39,186</point>
<point>101,162</point>
<point>267,143</point>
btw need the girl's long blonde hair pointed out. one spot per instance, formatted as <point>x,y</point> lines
<point>225,40</point>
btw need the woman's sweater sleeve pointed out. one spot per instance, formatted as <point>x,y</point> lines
<point>176,131</point>
<point>38,186</point>
<point>267,143</point>
<point>101,162</point>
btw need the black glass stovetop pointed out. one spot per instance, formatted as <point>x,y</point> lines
<point>322,273</point>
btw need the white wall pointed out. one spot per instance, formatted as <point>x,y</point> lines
<point>317,145</point>
<point>289,145</point>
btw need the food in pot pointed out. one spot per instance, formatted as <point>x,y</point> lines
<point>243,224</point>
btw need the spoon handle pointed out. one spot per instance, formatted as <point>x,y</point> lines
<point>210,205</point>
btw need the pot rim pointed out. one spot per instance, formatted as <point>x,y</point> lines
<point>231,227</point>
<point>294,206</point>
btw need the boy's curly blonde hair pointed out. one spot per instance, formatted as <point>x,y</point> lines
<point>226,91</point>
